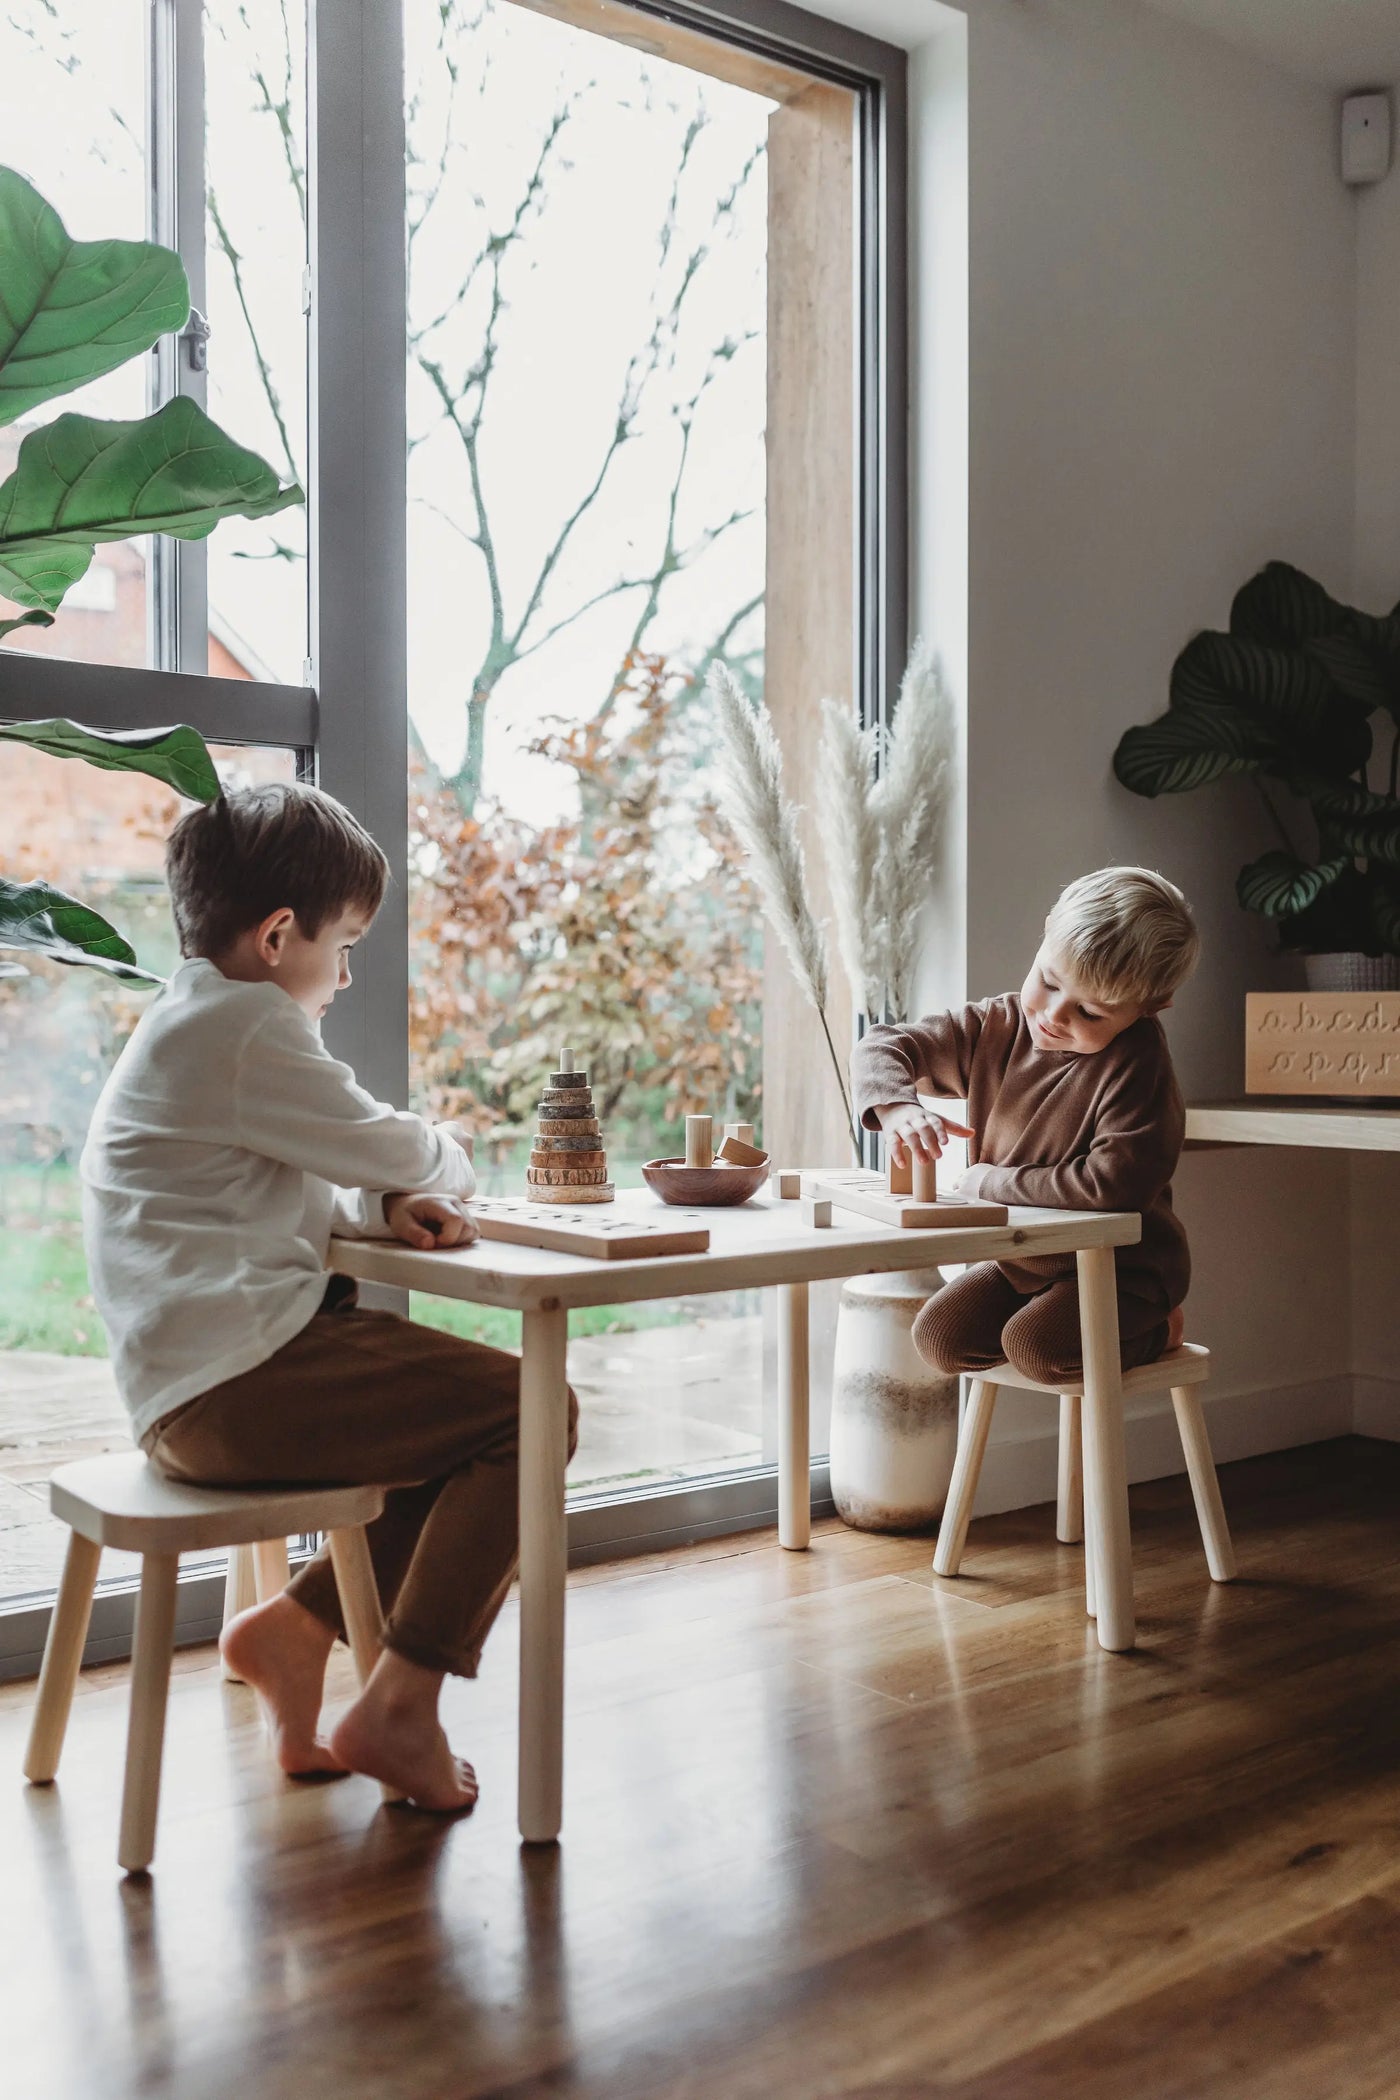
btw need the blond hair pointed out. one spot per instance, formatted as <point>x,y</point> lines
<point>1126,935</point>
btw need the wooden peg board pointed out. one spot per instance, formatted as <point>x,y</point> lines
<point>597,1239</point>
<point>868,1195</point>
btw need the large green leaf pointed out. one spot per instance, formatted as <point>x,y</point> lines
<point>1366,671</point>
<point>34,915</point>
<point>80,481</point>
<point>179,756</point>
<point>1189,747</point>
<point>1293,697</point>
<point>1372,838</point>
<point>1335,800</point>
<point>71,310</point>
<point>1282,607</point>
<point>1279,884</point>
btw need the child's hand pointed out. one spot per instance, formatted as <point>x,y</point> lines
<point>429,1221</point>
<point>914,1132</point>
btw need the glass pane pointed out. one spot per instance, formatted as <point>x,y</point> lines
<point>100,835</point>
<point>255,165</point>
<point>590,390</point>
<point>75,126</point>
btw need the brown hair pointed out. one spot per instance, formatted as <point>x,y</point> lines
<point>231,863</point>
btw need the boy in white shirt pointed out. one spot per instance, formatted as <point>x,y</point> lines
<point>227,1147</point>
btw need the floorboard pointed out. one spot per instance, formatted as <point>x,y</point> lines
<point>835,1830</point>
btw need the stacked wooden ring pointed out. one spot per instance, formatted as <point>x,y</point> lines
<point>567,1161</point>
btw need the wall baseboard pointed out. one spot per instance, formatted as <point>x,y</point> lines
<point>1021,1470</point>
<point>1376,1410</point>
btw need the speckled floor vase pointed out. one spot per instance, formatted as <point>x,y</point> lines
<point>894,1420</point>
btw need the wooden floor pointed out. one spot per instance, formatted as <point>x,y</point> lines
<point>832,1828</point>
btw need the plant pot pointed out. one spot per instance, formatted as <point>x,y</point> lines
<point>894,1420</point>
<point>1352,972</point>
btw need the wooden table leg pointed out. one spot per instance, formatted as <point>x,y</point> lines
<point>544,1541</point>
<point>1105,1457</point>
<point>794,1419</point>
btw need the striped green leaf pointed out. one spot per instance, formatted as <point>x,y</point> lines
<point>37,917</point>
<point>178,756</point>
<point>1280,885</point>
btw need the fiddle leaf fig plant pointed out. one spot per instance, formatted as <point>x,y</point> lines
<point>1290,696</point>
<point>71,311</point>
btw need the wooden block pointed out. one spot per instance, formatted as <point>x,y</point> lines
<point>558,1123</point>
<point>816,1210</point>
<point>699,1141</point>
<point>1330,1043</point>
<point>506,1218</point>
<point>786,1182</point>
<point>868,1195</point>
<point>603,1192</point>
<point>566,1177</point>
<point>542,1155</point>
<point>560,1099</point>
<point>563,1145</point>
<point>742,1131</point>
<point>900,1179</point>
<point>925,1183</point>
<point>739,1154</point>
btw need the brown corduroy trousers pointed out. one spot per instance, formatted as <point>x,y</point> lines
<point>979,1320</point>
<point>368,1397</point>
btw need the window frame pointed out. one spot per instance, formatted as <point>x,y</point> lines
<point>349,721</point>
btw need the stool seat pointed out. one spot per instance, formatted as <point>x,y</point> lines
<point>1188,1365</point>
<point>122,1500</point>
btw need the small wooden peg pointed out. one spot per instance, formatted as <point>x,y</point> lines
<point>699,1141</point>
<point>742,1131</point>
<point>816,1210</point>
<point>901,1178</point>
<point>786,1182</point>
<point>925,1188</point>
<point>566,1060</point>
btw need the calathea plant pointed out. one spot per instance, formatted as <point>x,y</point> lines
<point>1304,695</point>
<point>71,311</point>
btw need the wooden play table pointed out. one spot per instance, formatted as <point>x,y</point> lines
<point>759,1243</point>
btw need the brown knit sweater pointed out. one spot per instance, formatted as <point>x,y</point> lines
<point>1101,1132</point>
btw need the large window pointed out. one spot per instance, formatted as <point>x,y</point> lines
<point>649,280</point>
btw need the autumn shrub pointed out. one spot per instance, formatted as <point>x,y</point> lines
<point>627,930</point>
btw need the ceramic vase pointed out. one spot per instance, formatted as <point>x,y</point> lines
<point>1347,972</point>
<point>894,1420</point>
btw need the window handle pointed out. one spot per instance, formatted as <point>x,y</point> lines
<point>196,333</point>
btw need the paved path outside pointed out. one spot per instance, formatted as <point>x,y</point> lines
<point>664,1403</point>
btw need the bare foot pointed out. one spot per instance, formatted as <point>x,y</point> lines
<point>404,1747</point>
<point>281,1650</point>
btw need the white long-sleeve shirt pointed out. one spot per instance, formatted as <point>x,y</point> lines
<point>226,1148</point>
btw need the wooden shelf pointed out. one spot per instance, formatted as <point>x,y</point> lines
<point>1344,1127</point>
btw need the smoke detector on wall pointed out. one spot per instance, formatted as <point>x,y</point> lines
<point>1365,138</point>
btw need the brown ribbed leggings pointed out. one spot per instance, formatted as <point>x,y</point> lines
<point>980,1320</point>
<point>369,1397</point>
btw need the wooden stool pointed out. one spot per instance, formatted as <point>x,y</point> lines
<point>1181,1370</point>
<point>122,1501</point>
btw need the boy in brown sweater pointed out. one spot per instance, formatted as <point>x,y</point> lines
<point>1073,1105</point>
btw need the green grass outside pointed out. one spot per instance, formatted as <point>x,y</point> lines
<point>45,1304</point>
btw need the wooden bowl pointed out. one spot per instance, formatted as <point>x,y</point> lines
<point>674,1182</point>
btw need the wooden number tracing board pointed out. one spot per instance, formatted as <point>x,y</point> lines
<point>868,1194</point>
<point>597,1239</point>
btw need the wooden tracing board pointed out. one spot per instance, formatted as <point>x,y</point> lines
<point>598,1239</point>
<point>868,1194</point>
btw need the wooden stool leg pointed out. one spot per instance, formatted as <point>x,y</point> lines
<point>150,1684</point>
<point>967,1467</point>
<point>359,1597</point>
<point>1205,1487</point>
<point>270,1564</point>
<point>63,1655</point>
<point>240,1590</point>
<point>359,1601</point>
<point>1069,1503</point>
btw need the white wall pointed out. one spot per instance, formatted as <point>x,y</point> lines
<point>1161,395</point>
